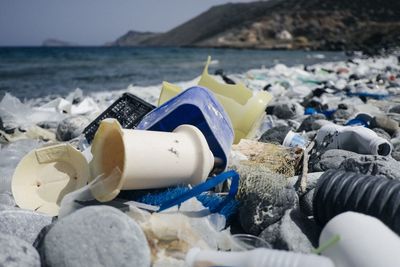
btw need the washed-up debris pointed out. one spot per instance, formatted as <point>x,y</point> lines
<point>278,159</point>
<point>350,246</point>
<point>264,196</point>
<point>45,175</point>
<point>253,258</point>
<point>184,158</point>
<point>346,191</point>
<point>165,166</point>
<point>195,106</point>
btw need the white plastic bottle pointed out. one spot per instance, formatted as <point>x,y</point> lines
<point>363,241</point>
<point>353,138</point>
<point>260,257</point>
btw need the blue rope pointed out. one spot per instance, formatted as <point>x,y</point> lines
<point>210,183</point>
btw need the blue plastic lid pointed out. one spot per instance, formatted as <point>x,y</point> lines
<point>196,106</point>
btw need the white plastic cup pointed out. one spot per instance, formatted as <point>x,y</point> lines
<point>293,139</point>
<point>148,159</point>
<point>254,258</point>
<point>363,241</point>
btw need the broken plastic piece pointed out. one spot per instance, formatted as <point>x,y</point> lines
<point>128,110</point>
<point>245,118</point>
<point>238,92</point>
<point>364,241</point>
<point>147,159</point>
<point>196,106</point>
<point>45,175</point>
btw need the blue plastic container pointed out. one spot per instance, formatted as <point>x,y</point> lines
<point>196,106</point>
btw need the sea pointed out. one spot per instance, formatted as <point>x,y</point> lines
<point>36,72</point>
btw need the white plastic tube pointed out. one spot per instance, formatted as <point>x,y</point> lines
<point>254,258</point>
<point>353,138</point>
<point>147,159</point>
<point>363,241</point>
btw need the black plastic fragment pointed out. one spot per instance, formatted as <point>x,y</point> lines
<point>128,110</point>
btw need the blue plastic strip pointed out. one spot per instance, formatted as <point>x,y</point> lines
<point>210,183</point>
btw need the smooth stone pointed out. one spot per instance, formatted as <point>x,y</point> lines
<point>264,197</point>
<point>395,109</point>
<point>16,252</point>
<point>275,135</point>
<point>389,125</point>
<point>307,123</point>
<point>293,232</point>
<point>396,151</point>
<point>343,114</point>
<point>7,199</point>
<point>287,111</point>
<point>71,128</point>
<point>23,224</point>
<point>353,162</point>
<point>96,236</point>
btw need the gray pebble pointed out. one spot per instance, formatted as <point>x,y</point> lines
<point>293,232</point>
<point>287,111</point>
<point>22,223</point>
<point>96,236</point>
<point>275,135</point>
<point>264,197</point>
<point>353,162</point>
<point>71,127</point>
<point>395,109</point>
<point>307,123</point>
<point>7,199</point>
<point>16,252</point>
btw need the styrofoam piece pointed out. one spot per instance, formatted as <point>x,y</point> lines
<point>254,258</point>
<point>45,175</point>
<point>147,159</point>
<point>363,241</point>
<point>353,138</point>
<point>245,118</point>
<point>196,106</point>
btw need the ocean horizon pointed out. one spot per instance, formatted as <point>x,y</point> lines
<point>36,72</point>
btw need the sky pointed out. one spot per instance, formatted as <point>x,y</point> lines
<point>92,22</point>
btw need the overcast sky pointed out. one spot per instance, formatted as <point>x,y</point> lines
<point>91,22</point>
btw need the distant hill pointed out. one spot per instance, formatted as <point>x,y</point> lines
<point>132,38</point>
<point>290,24</point>
<point>57,43</point>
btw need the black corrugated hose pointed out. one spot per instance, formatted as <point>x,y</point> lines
<point>339,191</point>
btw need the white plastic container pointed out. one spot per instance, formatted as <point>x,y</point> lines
<point>363,241</point>
<point>45,175</point>
<point>353,138</point>
<point>293,139</point>
<point>147,159</point>
<point>254,258</point>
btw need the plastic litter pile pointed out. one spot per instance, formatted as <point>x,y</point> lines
<point>274,167</point>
